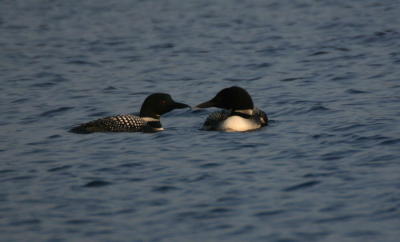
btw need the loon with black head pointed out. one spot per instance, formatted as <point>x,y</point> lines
<point>239,114</point>
<point>148,120</point>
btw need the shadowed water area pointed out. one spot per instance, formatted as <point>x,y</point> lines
<point>326,168</point>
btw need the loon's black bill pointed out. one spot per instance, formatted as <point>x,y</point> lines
<point>180,105</point>
<point>206,104</point>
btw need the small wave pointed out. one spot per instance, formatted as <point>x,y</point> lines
<point>346,76</point>
<point>341,49</point>
<point>59,168</point>
<point>317,108</point>
<point>271,50</point>
<point>16,27</point>
<point>319,53</point>
<point>26,222</point>
<point>162,46</point>
<point>114,43</point>
<point>131,164</point>
<point>131,58</point>
<point>268,213</point>
<point>210,165</point>
<point>234,79</point>
<point>55,136</point>
<point>106,170</point>
<point>322,136</point>
<point>43,84</point>
<point>258,66</point>
<point>291,79</point>
<point>99,114</point>
<point>109,88</point>
<point>158,202</point>
<point>196,178</point>
<point>334,155</point>
<point>220,210</point>
<point>300,186</point>
<point>341,218</point>
<point>55,112</point>
<point>20,100</point>
<point>136,179</point>
<point>369,138</point>
<point>97,183</point>
<point>243,230</point>
<point>81,62</point>
<point>390,142</point>
<point>348,127</point>
<point>19,178</point>
<point>313,175</point>
<point>164,189</point>
<point>78,221</point>
<point>6,171</point>
<point>354,91</point>
<point>368,234</point>
<point>217,212</point>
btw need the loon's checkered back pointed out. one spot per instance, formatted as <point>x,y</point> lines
<point>119,123</point>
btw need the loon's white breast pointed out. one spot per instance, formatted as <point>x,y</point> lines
<point>237,124</point>
<point>224,121</point>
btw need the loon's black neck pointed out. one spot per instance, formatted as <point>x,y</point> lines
<point>149,114</point>
<point>246,113</point>
<point>154,124</point>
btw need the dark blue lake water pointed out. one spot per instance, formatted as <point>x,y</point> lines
<point>327,168</point>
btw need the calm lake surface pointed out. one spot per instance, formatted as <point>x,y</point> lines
<point>327,168</point>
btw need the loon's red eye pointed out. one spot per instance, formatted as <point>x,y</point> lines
<point>163,102</point>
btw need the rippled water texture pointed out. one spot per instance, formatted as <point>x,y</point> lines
<point>325,169</point>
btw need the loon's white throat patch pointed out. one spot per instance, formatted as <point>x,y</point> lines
<point>150,119</point>
<point>244,111</point>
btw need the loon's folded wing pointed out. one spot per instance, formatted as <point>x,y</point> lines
<point>119,123</point>
<point>261,116</point>
<point>214,120</point>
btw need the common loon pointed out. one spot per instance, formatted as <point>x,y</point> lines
<point>148,120</point>
<point>239,114</point>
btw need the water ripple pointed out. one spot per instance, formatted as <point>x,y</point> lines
<point>54,112</point>
<point>165,188</point>
<point>266,214</point>
<point>59,168</point>
<point>97,183</point>
<point>300,186</point>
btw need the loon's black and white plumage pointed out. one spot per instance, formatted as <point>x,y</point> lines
<point>148,120</point>
<point>239,114</point>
